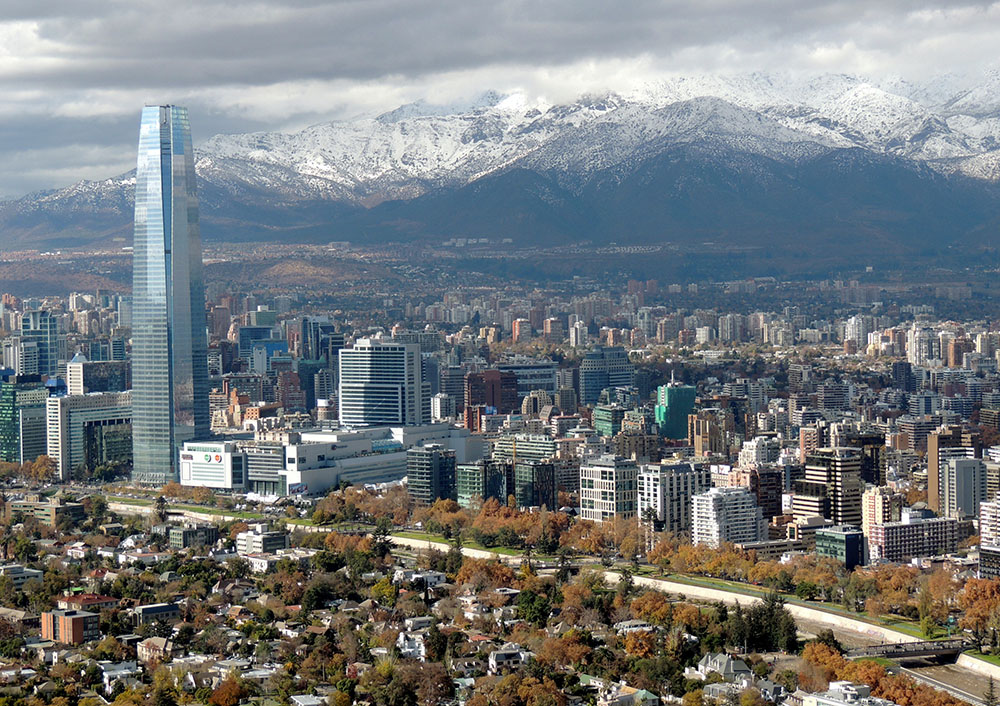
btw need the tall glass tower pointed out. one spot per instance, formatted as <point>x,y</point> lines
<point>169,357</point>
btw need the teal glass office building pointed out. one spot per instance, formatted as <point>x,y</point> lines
<point>674,402</point>
<point>169,356</point>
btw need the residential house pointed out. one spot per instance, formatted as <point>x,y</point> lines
<point>154,649</point>
<point>113,672</point>
<point>509,656</point>
<point>87,601</point>
<point>730,669</point>
<point>411,645</point>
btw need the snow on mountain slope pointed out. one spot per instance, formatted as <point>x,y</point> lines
<point>951,123</point>
<point>416,148</point>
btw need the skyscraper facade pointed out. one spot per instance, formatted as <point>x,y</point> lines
<point>674,402</point>
<point>169,357</point>
<point>381,384</point>
<point>605,366</point>
<point>42,329</point>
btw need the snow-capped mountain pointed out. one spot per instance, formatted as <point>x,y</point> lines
<point>415,148</point>
<point>748,130</point>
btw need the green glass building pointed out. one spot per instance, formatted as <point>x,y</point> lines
<point>608,419</point>
<point>674,402</point>
<point>22,418</point>
<point>845,543</point>
<point>535,484</point>
<point>483,480</point>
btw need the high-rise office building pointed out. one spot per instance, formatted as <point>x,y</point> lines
<point>493,388</point>
<point>963,487</point>
<point>831,488</point>
<point>430,473</point>
<point>608,489</point>
<point>605,366</point>
<point>169,357</point>
<point>947,442</point>
<point>42,329</point>
<point>482,480</point>
<point>674,402</point>
<point>22,418</point>
<point>83,376</point>
<point>844,543</point>
<point>535,484</point>
<point>871,442</point>
<point>89,430</point>
<point>531,374</point>
<point>381,384</point>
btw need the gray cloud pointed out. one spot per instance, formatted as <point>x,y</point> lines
<point>75,72</point>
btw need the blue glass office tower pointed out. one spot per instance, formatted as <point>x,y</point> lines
<point>169,357</point>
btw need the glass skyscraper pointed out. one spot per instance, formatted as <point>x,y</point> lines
<point>169,357</point>
<point>42,328</point>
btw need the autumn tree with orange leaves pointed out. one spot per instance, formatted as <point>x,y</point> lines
<point>823,664</point>
<point>980,601</point>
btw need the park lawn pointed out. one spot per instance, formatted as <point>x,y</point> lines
<point>242,515</point>
<point>992,659</point>
<point>128,501</point>
<point>441,539</point>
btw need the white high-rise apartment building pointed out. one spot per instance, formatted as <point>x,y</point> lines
<point>578,335</point>
<point>919,345</point>
<point>442,407</point>
<point>989,523</point>
<point>21,356</point>
<point>667,489</point>
<point>608,488</point>
<point>381,384</point>
<point>726,515</point>
<point>857,329</point>
<point>759,451</point>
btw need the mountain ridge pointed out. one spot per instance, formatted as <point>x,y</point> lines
<point>746,142</point>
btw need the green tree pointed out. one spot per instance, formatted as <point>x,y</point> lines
<point>533,607</point>
<point>382,537</point>
<point>436,643</point>
<point>161,508</point>
<point>238,567</point>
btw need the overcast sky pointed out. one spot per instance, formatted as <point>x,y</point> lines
<point>75,73</point>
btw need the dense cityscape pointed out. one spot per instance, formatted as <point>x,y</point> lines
<point>499,354</point>
<point>431,487</point>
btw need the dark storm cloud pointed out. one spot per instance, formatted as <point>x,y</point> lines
<point>74,73</point>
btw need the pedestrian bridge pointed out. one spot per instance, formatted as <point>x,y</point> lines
<point>903,650</point>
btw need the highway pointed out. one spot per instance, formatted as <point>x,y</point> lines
<point>958,682</point>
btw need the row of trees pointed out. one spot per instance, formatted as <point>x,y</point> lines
<point>879,590</point>
<point>41,470</point>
